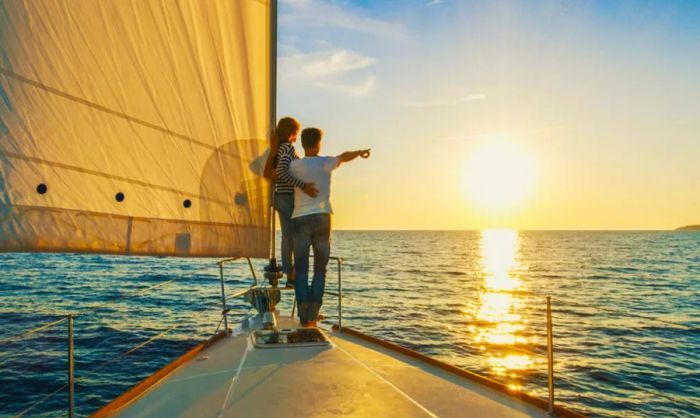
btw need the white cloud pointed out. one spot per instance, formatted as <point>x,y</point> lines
<point>330,70</point>
<point>324,13</point>
<point>444,102</point>
<point>431,2</point>
<point>314,26</point>
<point>296,3</point>
<point>352,90</point>
<point>324,64</point>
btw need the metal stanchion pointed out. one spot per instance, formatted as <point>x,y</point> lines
<point>340,295</point>
<point>550,356</point>
<point>252,271</point>
<point>224,311</point>
<point>71,368</point>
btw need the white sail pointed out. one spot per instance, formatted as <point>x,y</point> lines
<point>134,126</point>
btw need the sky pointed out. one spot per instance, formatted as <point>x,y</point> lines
<point>487,114</point>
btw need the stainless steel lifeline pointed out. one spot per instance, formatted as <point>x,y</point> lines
<point>339,261</point>
<point>70,385</point>
<point>224,309</point>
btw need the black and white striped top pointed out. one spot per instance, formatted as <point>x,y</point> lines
<point>285,182</point>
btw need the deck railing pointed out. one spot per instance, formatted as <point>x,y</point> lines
<point>70,319</point>
<point>70,344</point>
<point>71,381</point>
<point>70,385</point>
<point>225,310</point>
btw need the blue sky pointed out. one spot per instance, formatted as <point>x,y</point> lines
<point>604,96</point>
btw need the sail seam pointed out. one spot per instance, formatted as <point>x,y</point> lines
<point>134,218</point>
<point>33,83</point>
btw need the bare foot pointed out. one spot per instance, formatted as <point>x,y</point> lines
<point>311,324</point>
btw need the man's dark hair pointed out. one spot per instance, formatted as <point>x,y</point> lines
<point>310,137</point>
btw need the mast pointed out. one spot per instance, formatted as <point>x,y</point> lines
<point>273,114</point>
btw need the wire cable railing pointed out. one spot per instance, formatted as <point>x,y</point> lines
<point>649,318</point>
<point>70,318</point>
<point>550,346</point>
<point>26,334</point>
<point>629,314</point>
<point>98,368</point>
<point>224,315</point>
<point>70,377</point>
<point>550,316</point>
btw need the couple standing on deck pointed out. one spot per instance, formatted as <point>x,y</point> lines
<point>302,200</point>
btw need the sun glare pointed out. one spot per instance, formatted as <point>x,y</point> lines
<point>498,326</point>
<point>499,176</point>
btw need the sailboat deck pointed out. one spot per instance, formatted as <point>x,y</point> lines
<point>352,377</point>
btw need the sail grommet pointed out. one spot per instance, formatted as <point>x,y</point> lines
<point>240,199</point>
<point>41,188</point>
<point>187,203</point>
<point>119,196</point>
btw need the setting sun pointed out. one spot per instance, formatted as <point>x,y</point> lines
<point>499,176</point>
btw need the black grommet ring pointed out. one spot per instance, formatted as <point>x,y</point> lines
<point>41,188</point>
<point>187,203</point>
<point>119,196</point>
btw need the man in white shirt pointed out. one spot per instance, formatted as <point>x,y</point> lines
<point>311,221</point>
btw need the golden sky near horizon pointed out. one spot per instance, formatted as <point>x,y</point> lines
<point>479,115</point>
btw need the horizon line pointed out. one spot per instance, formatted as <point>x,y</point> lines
<point>516,229</point>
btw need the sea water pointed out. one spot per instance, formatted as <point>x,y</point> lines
<point>626,314</point>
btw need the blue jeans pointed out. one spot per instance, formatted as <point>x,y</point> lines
<point>284,204</point>
<point>311,231</point>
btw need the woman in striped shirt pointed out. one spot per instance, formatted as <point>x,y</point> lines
<point>282,153</point>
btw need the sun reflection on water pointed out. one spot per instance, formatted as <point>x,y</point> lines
<point>499,248</point>
<point>497,325</point>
